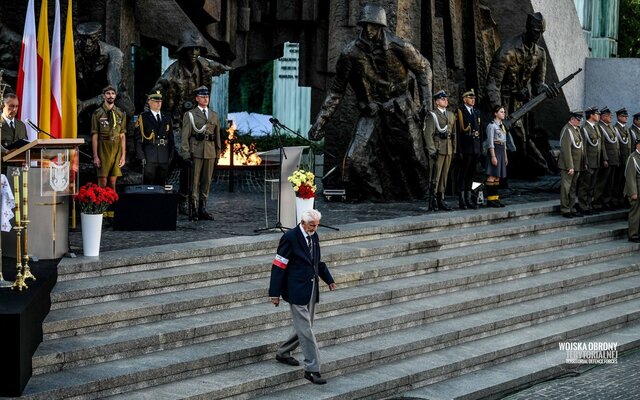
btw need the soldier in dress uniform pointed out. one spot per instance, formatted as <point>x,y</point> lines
<point>604,190</point>
<point>108,138</point>
<point>469,147</point>
<point>634,130</point>
<point>593,158</point>
<point>632,183</point>
<point>12,128</point>
<point>439,134</point>
<point>626,147</point>
<point>154,141</point>
<point>201,146</point>
<point>571,163</point>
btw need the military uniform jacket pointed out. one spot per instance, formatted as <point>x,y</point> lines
<point>634,131</point>
<point>611,148</point>
<point>632,174</point>
<point>571,149</point>
<point>295,271</point>
<point>624,140</point>
<point>440,132</point>
<point>592,145</point>
<point>204,144</point>
<point>154,142</point>
<point>10,135</point>
<point>109,124</point>
<point>468,129</point>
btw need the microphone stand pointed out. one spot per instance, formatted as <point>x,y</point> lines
<point>313,146</point>
<point>281,154</point>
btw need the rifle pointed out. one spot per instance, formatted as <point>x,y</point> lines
<point>531,104</point>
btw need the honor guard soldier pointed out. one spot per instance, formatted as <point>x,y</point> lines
<point>12,129</point>
<point>468,148</point>
<point>634,130</point>
<point>571,163</point>
<point>108,141</point>
<point>201,144</point>
<point>626,147</point>
<point>440,139</point>
<point>593,158</point>
<point>154,141</point>
<point>632,184</point>
<point>603,196</point>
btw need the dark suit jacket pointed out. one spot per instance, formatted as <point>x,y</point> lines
<point>148,148</point>
<point>293,270</point>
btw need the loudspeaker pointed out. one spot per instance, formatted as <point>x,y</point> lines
<point>146,208</point>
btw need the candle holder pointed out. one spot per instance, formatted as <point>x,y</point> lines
<point>25,223</point>
<point>19,282</point>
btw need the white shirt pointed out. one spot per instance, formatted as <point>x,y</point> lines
<point>156,114</point>
<point>9,121</point>
<point>204,110</point>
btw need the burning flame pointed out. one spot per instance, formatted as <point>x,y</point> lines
<point>242,154</point>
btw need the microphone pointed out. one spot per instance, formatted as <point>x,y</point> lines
<point>274,121</point>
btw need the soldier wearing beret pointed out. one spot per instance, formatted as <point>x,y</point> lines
<point>626,147</point>
<point>108,141</point>
<point>154,141</point>
<point>440,138</point>
<point>593,159</point>
<point>571,163</point>
<point>603,195</point>
<point>469,147</point>
<point>201,147</point>
<point>632,183</point>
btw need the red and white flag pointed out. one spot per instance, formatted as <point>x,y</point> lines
<point>56,105</point>
<point>27,89</point>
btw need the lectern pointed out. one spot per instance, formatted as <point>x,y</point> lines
<point>48,167</point>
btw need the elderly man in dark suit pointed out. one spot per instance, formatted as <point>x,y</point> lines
<point>294,276</point>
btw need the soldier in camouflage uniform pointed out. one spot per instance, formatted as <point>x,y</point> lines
<point>108,139</point>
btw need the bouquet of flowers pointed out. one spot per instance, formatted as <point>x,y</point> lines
<point>94,199</point>
<point>303,184</point>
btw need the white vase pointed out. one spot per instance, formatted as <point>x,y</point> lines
<point>91,233</point>
<point>302,205</point>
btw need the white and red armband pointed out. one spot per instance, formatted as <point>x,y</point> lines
<point>280,261</point>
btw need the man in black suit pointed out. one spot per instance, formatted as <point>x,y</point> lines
<point>294,276</point>
<point>154,141</point>
<point>12,128</point>
<point>468,148</point>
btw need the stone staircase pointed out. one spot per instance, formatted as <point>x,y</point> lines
<point>447,305</point>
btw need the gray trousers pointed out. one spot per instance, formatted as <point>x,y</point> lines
<point>303,335</point>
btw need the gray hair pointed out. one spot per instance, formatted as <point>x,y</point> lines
<point>311,215</point>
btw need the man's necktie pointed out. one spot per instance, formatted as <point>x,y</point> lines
<point>204,112</point>
<point>310,244</point>
<point>158,119</point>
<point>13,127</point>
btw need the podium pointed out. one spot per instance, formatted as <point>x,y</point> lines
<point>48,207</point>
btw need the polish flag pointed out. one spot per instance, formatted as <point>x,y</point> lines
<point>56,109</point>
<point>27,87</point>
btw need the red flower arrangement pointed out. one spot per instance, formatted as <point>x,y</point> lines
<point>94,199</point>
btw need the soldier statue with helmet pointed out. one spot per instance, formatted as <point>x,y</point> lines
<point>386,158</point>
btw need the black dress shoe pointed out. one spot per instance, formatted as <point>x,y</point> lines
<point>567,215</point>
<point>634,240</point>
<point>288,360</point>
<point>577,214</point>
<point>587,212</point>
<point>205,216</point>
<point>493,203</point>
<point>315,377</point>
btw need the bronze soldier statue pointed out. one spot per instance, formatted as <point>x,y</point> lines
<point>516,73</point>
<point>386,158</point>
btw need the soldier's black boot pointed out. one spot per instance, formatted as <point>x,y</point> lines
<point>461,201</point>
<point>441,203</point>
<point>203,215</point>
<point>469,200</point>
<point>191,210</point>
<point>433,204</point>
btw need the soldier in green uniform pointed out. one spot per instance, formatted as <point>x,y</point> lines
<point>201,147</point>
<point>632,183</point>
<point>11,128</point>
<point>571,163</point>
<point>440,138</point>
<point>108,130</point>
<point>634,130</point>
<point>603,195</point>
<point>593,158</point>
<point>626,147</point>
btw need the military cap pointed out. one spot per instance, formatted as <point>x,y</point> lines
<point>622,112</point>
<point>373,14</point>
<point>201,91</point>
<point>155,96</point>
<point>636,115</point>
<point>605,110</point>
<point>591,110</point>
<point>536,21</point>
<point>191,39</point>
<point>107,88</point>
<point>89,28</point>
<point>576,113</point>
<point>439,95</point>
<point>469,93</point>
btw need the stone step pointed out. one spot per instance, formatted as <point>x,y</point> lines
<point>379,366</point>
<point>165,256</point>
<point>128,342</point>
<point>125,312</point>
<point>488,354</point>
<point>76,292</point>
